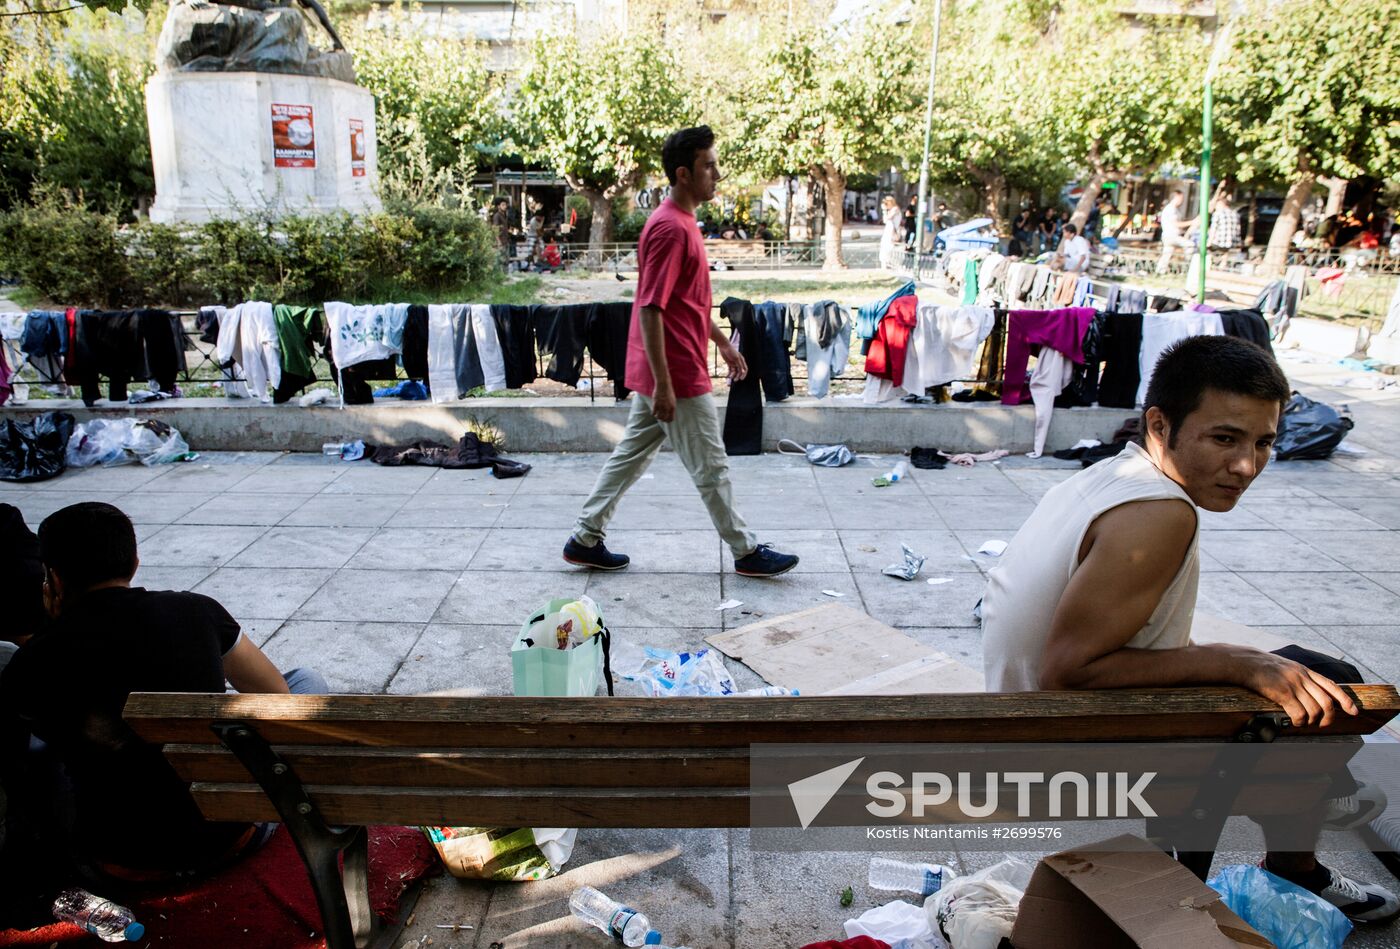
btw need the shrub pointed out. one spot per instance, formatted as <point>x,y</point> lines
<point>63,251</point>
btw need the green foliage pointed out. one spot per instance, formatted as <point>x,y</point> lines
<point>438,108</point>
<point>80,257</point>
<point>1304,83</point>
<point>827,101</point>
<point>72,108</point>
<point>598,113</point>
<point>63,250</point>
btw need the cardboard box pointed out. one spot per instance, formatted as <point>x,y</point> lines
<point>1124,892</point>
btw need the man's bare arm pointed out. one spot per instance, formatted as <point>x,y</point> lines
<point>248,669</point>
<point>1133,554</point>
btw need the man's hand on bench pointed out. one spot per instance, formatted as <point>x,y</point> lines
<point>1306,697</point>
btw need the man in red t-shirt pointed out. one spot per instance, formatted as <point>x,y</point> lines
<point>668,369</point>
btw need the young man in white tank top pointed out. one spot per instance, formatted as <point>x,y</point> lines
<point>1098,588</point>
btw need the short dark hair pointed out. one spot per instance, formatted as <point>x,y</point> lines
<point>1071,229</point>
<point>87,544</point>
<point>680,149</point>
<point>1186,369</point>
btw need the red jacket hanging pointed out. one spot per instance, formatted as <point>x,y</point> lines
<point>891,342</point>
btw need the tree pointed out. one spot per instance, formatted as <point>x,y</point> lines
<point>989,132</point>
<point>826,105</point>
<point>1123,99</point>
<point>438,108</point>
<point>73,109</point>
<point>598,113</point>
<point>1307,92</point>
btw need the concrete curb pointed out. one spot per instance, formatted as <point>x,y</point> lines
<point>575,425</point>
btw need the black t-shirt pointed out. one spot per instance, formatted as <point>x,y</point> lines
<point>70,684</point>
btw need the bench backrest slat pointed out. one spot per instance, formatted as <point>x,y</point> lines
<point>507,722</point>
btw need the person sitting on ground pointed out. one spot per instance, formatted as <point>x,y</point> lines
<point>1074,253</point>
<point>1098,588</point>
<point>132,817</point>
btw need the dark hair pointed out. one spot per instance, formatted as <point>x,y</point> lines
<point>87,544</point>
<point>1071,229</point>
<point>1188,368</point>
<point>680,149</point>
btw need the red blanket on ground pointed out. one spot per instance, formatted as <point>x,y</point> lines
<point>262,902</point>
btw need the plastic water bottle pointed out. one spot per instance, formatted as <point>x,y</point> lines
<point>103,918</point>
<point>890,477</point>
<point>334,449</point>
<point>623,923</point>
<point>922,878</point>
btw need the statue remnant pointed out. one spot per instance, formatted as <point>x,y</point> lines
<point>250,36</point>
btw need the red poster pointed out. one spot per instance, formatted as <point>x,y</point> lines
<point>293,136</point>
<point>357,148</point>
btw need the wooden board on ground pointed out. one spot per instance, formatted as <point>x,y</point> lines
<point>835,650</point>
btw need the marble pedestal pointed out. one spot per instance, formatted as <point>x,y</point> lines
<point>213,148</point>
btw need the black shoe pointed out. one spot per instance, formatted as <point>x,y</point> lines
<point>598,556</point>
<point>764,562</point>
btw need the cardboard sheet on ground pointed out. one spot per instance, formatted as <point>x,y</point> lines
<point>1124,892</point>
<point>835,650</point>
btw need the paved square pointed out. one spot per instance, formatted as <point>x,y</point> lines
<point>409,581</point>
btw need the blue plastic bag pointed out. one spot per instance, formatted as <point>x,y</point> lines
<point>1286,914</point>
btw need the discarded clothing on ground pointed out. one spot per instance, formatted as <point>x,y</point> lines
<point>469,452</point>
<point>928,458</point>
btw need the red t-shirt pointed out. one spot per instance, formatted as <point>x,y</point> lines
<point>675,278</point>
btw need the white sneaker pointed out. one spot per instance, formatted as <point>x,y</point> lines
<point>1361,902</point>
<point>1354,810</point>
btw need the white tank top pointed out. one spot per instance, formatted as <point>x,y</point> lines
<point>1024,589</point>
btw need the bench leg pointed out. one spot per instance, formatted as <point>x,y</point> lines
<point>342,896</point>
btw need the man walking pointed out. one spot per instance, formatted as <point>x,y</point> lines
<point>1172,225</point>
<point>668,369</point>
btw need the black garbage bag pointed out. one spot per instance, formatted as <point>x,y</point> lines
<point>34,451</point>
<point>1310,430</point>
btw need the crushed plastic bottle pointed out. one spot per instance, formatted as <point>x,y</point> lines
<point>106,920</point>
<point>924,879</point>
<point>890,477</point>
<point>623,923</point>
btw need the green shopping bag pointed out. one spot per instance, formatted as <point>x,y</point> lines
<point>539,668</point>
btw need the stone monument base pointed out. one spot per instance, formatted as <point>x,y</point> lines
<point>225,144</point>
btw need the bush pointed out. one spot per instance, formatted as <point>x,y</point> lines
<point>63,251</point>
<point>79,257</point>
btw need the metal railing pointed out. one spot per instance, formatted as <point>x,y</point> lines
<point>728,255</point>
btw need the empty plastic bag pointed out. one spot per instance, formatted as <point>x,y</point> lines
<point>1286,914</point>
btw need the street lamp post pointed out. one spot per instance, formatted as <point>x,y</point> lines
<point>928,128</point>
<point>1222,43</point>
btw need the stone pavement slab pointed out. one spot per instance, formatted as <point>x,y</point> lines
<point>412,581</point>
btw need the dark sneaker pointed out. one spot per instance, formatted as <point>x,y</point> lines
<point>764,562</point>
<point>1359,902</point>
<point>598,556</point>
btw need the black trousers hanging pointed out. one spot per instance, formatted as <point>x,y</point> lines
<point>743,418</point>
<point>1121,340</point>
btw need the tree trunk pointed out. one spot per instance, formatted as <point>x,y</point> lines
<point>834,184</point>
<point>1281,240</point>
<point>1097,176</point>
<point>1336,195</point>
<point>600,229</point>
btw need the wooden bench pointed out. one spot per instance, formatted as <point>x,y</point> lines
<point>328,766</point>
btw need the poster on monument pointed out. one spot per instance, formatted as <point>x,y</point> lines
<point>357,148</point>
<point>293,136</point>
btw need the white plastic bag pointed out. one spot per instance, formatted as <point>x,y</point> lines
<point>125,441</point>
<point>977,911</point>
<point>662,673</point>
<point>899,924</point>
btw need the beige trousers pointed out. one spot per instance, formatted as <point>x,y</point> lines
<point>695,438</point>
